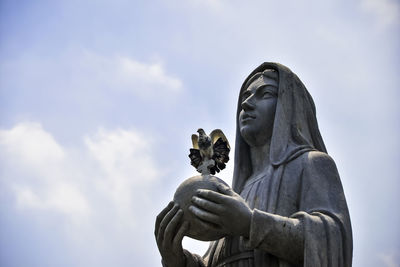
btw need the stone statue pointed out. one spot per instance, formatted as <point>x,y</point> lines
<point>286,206</point>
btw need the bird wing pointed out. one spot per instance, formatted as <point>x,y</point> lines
<point>195,157</point>
<point>221,150</point>
<point>195,141</point>
<point>216,134</point>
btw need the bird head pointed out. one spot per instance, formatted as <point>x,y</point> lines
<point>201,131</point>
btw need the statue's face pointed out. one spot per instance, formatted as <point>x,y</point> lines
<point>256,119</point>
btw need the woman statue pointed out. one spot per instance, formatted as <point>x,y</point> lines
<point>287,206</point>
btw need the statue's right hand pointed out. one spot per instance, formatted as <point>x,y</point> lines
<point>169,232</point>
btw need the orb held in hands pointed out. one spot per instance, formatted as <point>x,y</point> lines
<point>183,197</point>
<point>209,155</point>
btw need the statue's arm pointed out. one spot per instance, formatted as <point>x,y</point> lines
<point>320,233</point>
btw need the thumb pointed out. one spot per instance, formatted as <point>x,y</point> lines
<point>224,189</point>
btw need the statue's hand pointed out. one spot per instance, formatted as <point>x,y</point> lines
<point>225,210</point>
<point>169,232</point>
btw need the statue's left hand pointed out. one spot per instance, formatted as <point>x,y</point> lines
<point>225,209</point>
<point>169,232</point>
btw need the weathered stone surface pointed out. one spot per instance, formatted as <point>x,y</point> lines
<point>183,196</point>
<point>286,206</point>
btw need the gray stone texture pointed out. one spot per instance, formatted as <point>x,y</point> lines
<point>286,206</point>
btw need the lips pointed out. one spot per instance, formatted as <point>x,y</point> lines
<point>248,117</point>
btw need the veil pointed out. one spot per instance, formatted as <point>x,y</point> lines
<point>295,129</point>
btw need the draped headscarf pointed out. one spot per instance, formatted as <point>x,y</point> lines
<point>295,129</point>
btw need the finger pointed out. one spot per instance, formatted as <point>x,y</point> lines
<point>172,227</point>
<point>165,221</point>
<point>207,205</point>
<point>177,242</point>
<point>209,226</point>
<point>204,215</point>
<point>212,195</point>
<point>226,190</point>
<point>161,216</point>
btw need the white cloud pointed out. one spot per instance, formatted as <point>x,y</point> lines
<point>387,12</point>
<point>390,259</point>
<point>114,167</point>
<point>122,152</point>
<point>127,171</point>
<point>85,74</point>
<point>212,4</point>
<point>31,144</point>
<point>36,170</point>
<point>122,73</point>
<point>134,73</point>
<point>59,197</point>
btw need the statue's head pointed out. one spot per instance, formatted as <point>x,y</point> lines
<point>258,104</point>
<point>274,106</point>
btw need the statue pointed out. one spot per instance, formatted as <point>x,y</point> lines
<point>286,206</point>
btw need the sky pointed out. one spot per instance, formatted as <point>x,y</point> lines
<point>98,100</point>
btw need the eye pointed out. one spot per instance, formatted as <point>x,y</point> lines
<point>267,94</point>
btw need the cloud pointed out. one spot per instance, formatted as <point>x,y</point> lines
<point>390,259</point>
<point>216,5</point>
<point>135,73</point>
<point>31,144</point>
<point>127,171</point>
<point>386,12</point>
<point>101,191</point>
<point>122,73</point>
<point>77,71</point>
<point>119,162</point>
<point>33,154</point>
<point>122,152</point>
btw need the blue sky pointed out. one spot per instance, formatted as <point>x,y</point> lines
<point>98,100</point>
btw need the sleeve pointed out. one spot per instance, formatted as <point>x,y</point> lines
<point>280,236</point>
<point>326,221</point>
<point>194,260</point>
<point>319,234</point>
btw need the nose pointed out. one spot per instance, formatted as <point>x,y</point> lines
<point>248,104</point>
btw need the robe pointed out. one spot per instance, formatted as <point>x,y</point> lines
<point>300,218</point>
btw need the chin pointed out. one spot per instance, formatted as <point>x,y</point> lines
<point>247,134</point>
<point>254,136</point>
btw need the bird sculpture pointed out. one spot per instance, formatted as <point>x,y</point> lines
<point>209,153</point>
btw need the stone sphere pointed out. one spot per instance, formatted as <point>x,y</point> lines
<point>183,196</point>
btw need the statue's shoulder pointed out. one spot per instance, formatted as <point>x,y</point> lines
<point>317,164</point>
<point>315,159</point>
<point>315,155</point>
